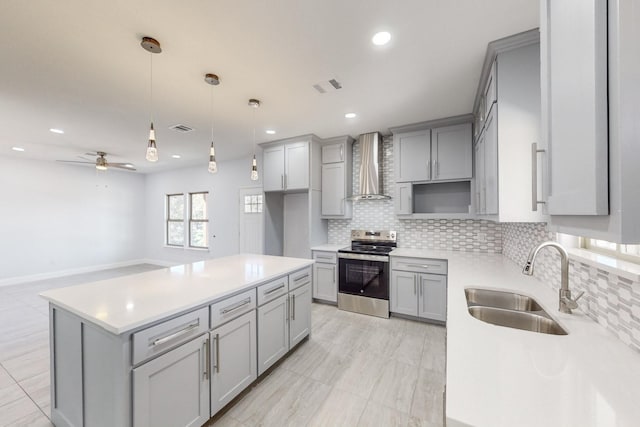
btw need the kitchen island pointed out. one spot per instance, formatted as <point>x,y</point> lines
<point>173,346</point>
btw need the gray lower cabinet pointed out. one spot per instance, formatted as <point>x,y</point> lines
<point>234,355</point>
<point>300,319</point>
<point>325,280</point>
<point>173,389</point>
<point>413,292</point>
<point>273,332</point>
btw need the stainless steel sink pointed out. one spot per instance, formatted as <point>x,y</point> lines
<point>517,319</point>
<point>500,299</point>
<point>511,310</point>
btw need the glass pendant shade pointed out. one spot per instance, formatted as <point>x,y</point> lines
<point>152,151</point>
<point>254,169</point>
<point>213,166</point>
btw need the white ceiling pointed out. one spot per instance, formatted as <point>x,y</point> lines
<point>78,65</point>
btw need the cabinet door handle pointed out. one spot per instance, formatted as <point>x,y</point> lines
<point>205,352</point>
<point>235,306</point>
<point>429,169</point>
<point>437,169</point>
<point>293,306</point>
<point>341,152</point>
<point>334,274</point>
<point>415,284</point>
<point>181,332</point>
<point>421,287</point>
<point>217,353</point>
<point>297,279</point>
<point>272,290</point>
<point>282,181</point>
<point>285,180</point>
<point>534,176</point>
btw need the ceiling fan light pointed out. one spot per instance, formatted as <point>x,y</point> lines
<point>101,167</point>
<point>213,166</point>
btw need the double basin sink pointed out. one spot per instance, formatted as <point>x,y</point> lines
<point>512,310</point>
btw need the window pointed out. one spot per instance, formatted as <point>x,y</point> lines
<point>175,219</point>
<point>195,235</point>
<point>198,220</point>
<point>626,252</point>
<point>253,203</point>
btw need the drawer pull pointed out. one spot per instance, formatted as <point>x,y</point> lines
<point>297,279</point>
<point>272,290</point>
<point>324,257</point>
<point>174,335</point>
<point>235,306</point>
<point>420,265</point>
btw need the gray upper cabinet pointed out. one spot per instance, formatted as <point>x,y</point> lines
<point>412,153</point>
<point>452,152</point>
<point>590,92</point>
<point>574,61</point>
<point>286,167</point>
<point>508,98</point>
<point>441,153</point>
<point>403,199</point>
<point>173,389</point>
<point>337,181</point>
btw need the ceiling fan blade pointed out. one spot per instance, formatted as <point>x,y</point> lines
<point>118,165</point>
<point>75,161</point>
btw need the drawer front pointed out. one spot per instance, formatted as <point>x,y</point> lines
<point>299,278</point>
<point>272,290</point>
<point>419,265</point>
<point>325,257</point>
<point>230,308</point>
<point>157,339</point>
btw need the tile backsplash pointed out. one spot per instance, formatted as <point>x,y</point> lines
<point>610,300</point>
<point>447,234</point>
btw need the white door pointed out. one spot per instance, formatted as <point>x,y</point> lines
<point>413,155</point>
<point>403,291</point>
<point>173,389</point>
<point>300,308</point>
<point>433,297</point>
<point>452,152</point>
<point>273,332</point>
<point>251,226</point>
<point>325,283</point>
<point>234,359</point>
<point>333,189</point>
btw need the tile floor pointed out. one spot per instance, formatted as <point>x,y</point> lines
<point>354,370</point>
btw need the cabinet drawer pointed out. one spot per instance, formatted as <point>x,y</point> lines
<point>325,257</point>
<point>230,308</point>
<point>273,289</point>
<point>299,278</point>
<point>157,339</point>
<point>419,265</point>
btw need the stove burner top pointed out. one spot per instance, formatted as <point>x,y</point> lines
<point>368,249</point>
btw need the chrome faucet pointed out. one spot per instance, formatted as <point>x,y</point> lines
<point>566,302</point>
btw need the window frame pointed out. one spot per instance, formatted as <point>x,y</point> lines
<point>192,220</point>
<point>168,219</point>
<point>587,243</point>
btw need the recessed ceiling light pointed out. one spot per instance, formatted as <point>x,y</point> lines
<point>350,115</point>
<point>381,38</point>
<point>270,132</point>
<point>17,148</point>
<point>54,130</point>
<point>176,156</point>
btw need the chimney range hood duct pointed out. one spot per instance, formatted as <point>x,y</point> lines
<point>370,175</point>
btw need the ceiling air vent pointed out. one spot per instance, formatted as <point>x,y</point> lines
<point>181,128</point>
<point>327,86</point>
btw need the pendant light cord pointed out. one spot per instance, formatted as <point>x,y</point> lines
<point>211,113</point>
<point>151,84</point>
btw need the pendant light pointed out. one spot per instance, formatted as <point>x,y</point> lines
<point>213,80</point>
<point>254,103</point>
<point>152,46</point>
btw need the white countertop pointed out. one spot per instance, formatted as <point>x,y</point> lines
<point>331,247</point>
<point>126,303</point>
<point>499,376</point>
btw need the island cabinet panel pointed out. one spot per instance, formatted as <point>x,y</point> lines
<point>234,357</point>
<point>404,291</point>
<point>432,301</point>
<point>300,307</point>
<point>273,332</point>
<point>173,389</point>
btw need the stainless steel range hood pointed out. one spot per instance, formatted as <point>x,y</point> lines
<point>370,174</point>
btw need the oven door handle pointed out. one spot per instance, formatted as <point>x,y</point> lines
<point>363,257</point>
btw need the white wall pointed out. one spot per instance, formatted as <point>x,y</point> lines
<point>58,217</point>
<point>222,203</point>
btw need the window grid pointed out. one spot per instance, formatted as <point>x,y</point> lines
<point>253,203</point>
<point>621,251</point>
<point>174,221</point>
<point>198,221</point>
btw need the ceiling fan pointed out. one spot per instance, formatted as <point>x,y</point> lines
<point>101,162</point>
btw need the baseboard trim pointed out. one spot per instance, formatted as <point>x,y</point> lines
<point>60,273</point>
